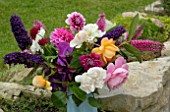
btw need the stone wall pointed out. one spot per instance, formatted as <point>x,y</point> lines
<point>147,88</point>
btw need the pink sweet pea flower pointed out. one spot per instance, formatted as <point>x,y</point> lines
<point>38,23</point>
<point>116,73</point>
<point>136,35</point>
<point>101,22</point>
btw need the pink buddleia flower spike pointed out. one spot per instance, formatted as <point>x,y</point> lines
<point>147,45</point>
<point>116,73</point>
<point>101,22</point>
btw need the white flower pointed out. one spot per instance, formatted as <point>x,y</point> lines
<point>92,32</point>
<point>89,32</point>
<point>87,83</point>
<point>98,74</point>
<point>109,25</point>
<point>35,46</point>
<point>79,38</point>
<point>40,34</point>
<point>94,78</point>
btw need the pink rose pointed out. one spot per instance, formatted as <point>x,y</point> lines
<point>116,74</point>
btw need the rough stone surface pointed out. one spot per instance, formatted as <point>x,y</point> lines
<point>146,90</point>
<point>154,7</point>
<point>166,50</point>
<point>157,23</point>
<point>13,91</point>
<point>10,90</point>
<point>143,16</point>
<point>1,110</point>
<point>18,76</point>
<point>133,14</point>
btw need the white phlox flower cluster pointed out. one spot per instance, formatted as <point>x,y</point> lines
<point>92,79</point>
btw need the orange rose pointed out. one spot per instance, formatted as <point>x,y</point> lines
<point>39,81</point>
<point>107,50</point>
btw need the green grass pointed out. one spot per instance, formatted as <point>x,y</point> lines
<point>53,14</point>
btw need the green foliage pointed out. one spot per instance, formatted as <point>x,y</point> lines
<point>136,52</point>
<point>133,25</point>
<point>81,95</point>
<point>76,100</point>
<point>94,102</point>
<point>166,21</point>
<point>49,50</point>
<point>59,99</point>
<point>166,5</point>
<point>151,31</point>
<point>75,62</point>
<point>24,104</point>
<point>165,32</point>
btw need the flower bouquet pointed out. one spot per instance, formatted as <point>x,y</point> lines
<point>77,60</point>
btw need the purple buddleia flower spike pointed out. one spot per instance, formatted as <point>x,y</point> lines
<point>113,34</point>
<point>147,45</point>
<point>19,32</point>
<point>29,60</point>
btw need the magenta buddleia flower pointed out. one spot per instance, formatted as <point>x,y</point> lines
<point>19,32</point>
<point>90,60</point>
<point>76,21</point>
<point>61,35</point>
<point>38,23</point>
<point>101,22</point>
<point>147,45</point>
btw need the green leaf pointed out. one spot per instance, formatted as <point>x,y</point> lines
<point>49,50</point>
<point>94,102</point>
<point>140,28</point>
<point>81,95</point>
<point>123,54</point>
<point>133,25</point>
<point>136,52</point>
<point>75,62</point>
<point>76,100</point>
<point>50,58</point>
<point>59,99</point>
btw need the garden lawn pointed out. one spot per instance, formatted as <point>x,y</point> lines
<point>53,14</point>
